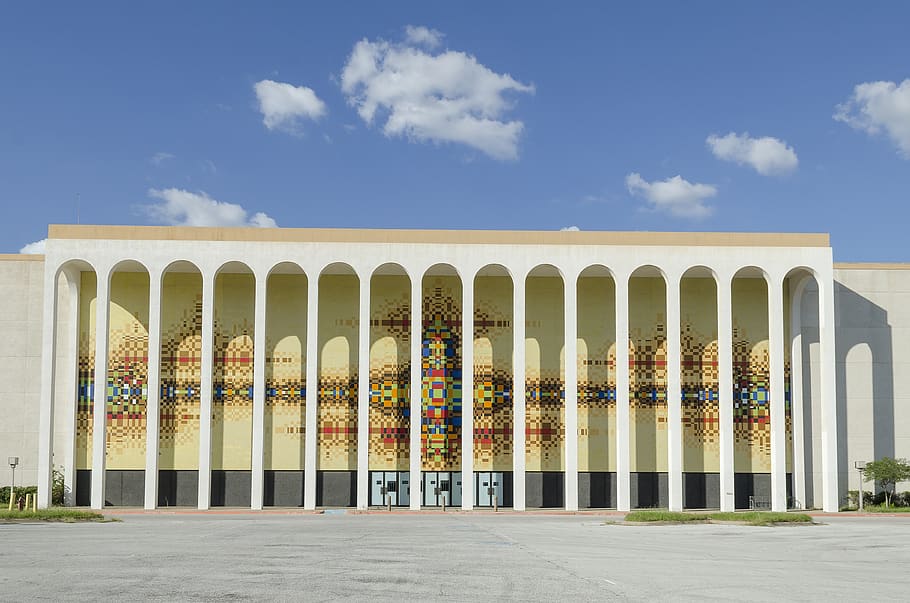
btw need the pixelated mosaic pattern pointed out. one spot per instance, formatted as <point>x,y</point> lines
<point>596,366</point>
<point>232,375</point>
<point>336,413</point>
<point>441,396</point>
<point>699,375</point>
<point>648,374</point>
<point>127,371</point>
<point>493,344</point>
<point>545,430</point>
<point>86,370</point>
<point>751,377</point>
<point>181,371</point>
<point>390,373</point>
<point>285,373</point>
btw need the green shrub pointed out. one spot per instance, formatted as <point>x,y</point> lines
<point>20,491</point>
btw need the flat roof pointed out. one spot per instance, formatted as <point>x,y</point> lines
<point>491,237</point>
<point>871,266</point>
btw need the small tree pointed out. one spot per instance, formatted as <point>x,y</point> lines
<point>887,471</point>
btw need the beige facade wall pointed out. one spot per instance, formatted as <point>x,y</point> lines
<point>21,280</point>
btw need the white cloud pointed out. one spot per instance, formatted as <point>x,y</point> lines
<point>569,229</point>
<point>160,157</point>
<point>179,207</point>
<point>675,195</point>
<point>284,105</point>
<point>769,156</point>
<point>877,107</point>
<point>423,36</point>
<point>446,97</point>
<point>34,248</point>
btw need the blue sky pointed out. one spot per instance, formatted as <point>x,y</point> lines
<point>601,116</point>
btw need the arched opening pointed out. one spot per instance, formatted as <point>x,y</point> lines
<point>648,412</point>
<point>441,396</point>
<point>751,388</point>
<point>74,378</point>
<point>284,426</point>
<point>126,387</point>
<point>699,378</point>
<point>492,391</point>
<point>545,427</point>
<point>336,413</point>
<point>803,404</point>
<point>596,365</point>
<point>232,385</point>
<point>390,385</point>
<point>180,383</point>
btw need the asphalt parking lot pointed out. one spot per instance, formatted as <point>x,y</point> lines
<point>455,556</point>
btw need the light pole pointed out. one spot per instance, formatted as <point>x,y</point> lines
<point>861,466</point>
<point>13,461</point>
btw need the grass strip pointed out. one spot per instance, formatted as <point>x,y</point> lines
<point>61,515</point>
<point>754,518</point>
<point>761,518</point>
<point>649,516</point>
<point>884,509</point>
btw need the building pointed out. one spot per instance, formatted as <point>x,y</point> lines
<point>319,367</point>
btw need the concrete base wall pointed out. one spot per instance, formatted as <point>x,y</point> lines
<point>283,489</point>
<point>124,488</point>
<point>544,489</point>
<point>597,490</point>
<point>178,488</point>
<point>701,490</point>
<point>649,490</point>
<point>231,488</point>
<point>336,488</point>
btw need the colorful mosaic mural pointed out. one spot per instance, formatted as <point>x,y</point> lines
<point>127,370</point>
<point>751,377</point>
<point>493,344</point>
<point>545,374</point>
<point>648,374</point>
<point>336,413</point>
<point>232,374</point>
<point>596,365</point>
<point>390,373</point>
<point>285,372</point>
<point>699,375</point>
<point>441,395</point>
<point>181,370</point>
<point>86,370</point>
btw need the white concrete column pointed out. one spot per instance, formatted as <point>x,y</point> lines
<point>828,368</point>
<point>416,388</point>
<point>725,389</point>
<point>796,392</point>
<point>623,455</point>
<point>99,399</point>
<point>519,406</point>
<point>71,361</point>
<point>363,395</point>
<point>153,399</point>
<point>257,459</point>
<point>674,397</point>
<point>205,391</point>
<point>48,372</point>
<point>467,393</point>
<point>311,437</point>
<point>570,333</point>
<point>778,423</point>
